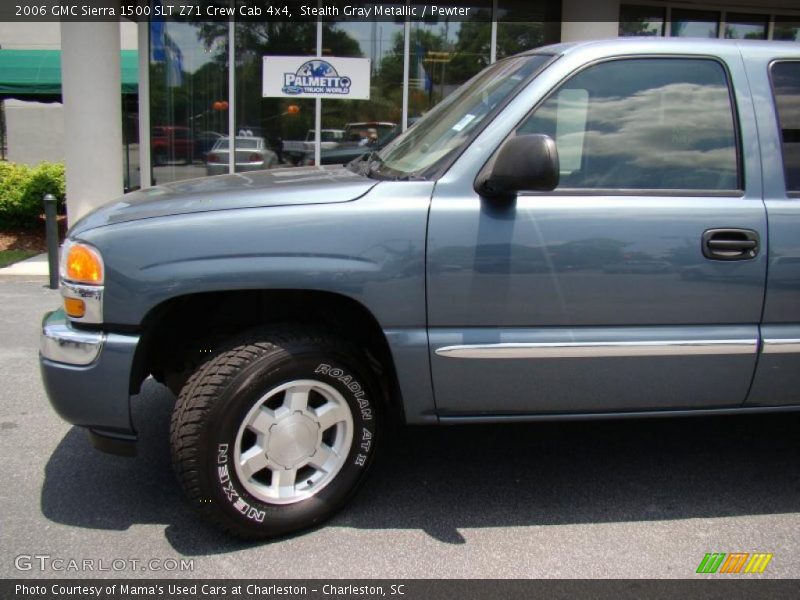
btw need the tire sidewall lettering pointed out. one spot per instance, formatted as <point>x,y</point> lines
<point>231,492</point>
<point>364,435</point>
<point>352,384</point>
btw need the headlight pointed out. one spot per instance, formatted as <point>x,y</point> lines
<point>82,278</point>
<point>81,263</point>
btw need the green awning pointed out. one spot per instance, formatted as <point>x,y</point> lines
<point>38,72</point>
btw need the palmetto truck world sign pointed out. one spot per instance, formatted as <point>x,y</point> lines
<point>306,77</point>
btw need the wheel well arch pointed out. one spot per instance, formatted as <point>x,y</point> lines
<point>178,334</point>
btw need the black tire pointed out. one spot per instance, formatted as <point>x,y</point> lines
<point>208,426</point>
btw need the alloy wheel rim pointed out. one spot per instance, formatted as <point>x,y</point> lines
<point>293,441</point>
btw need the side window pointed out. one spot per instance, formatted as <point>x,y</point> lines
<point>786,87</point>
<point>645,124</point>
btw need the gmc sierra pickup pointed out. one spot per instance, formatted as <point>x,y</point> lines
<point>588,230</point>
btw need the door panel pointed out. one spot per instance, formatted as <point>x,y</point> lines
<point>563,261</point>
<point>591,300</point>
<point>592,369</point>
<point>777,379</point>
<point>588,272</point>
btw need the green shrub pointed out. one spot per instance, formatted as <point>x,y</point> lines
<point>22,189</point>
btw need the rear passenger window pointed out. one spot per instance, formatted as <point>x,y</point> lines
<point>786,87</point>
<point>643,124</point>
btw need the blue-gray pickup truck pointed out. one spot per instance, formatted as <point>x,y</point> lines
<point>590,230</point>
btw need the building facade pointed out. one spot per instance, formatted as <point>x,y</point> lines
<point>199,83</point>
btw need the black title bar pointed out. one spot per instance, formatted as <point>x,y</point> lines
<point>281,10</point>
<point>399,589</point>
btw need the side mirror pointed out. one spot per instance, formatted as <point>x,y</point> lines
<point>524,163</point>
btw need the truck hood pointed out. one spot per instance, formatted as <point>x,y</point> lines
<point>277,187</point>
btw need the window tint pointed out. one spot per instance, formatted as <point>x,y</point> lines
<point>650,123</point>
<point>786,87</point>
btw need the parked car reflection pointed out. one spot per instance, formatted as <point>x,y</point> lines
<point>204,142</point>
<point>252,154</point>
<point>170,144</point>
<point>350,151</point>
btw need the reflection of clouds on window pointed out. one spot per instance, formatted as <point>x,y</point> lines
<point>656,135</point>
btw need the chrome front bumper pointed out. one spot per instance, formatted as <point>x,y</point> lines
<point>61,343</point>
<point>87,376</point>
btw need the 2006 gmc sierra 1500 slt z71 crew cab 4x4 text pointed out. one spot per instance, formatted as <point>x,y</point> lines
<point>585,230</point>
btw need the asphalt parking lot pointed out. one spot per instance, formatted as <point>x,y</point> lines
<point>625,499</point>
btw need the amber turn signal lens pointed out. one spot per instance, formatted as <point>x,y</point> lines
<point>83,264</point>
<point>74,307</point>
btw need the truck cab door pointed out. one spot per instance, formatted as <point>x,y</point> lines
<point>775,77</point>
<point>624,289</point>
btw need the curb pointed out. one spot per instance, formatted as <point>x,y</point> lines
<point>36,266</point>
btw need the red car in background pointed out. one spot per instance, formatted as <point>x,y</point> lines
<point>171,143</point>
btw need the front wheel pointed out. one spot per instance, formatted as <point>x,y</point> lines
<point>275,432</point>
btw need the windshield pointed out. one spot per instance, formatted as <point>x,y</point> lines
<point>446,129</point>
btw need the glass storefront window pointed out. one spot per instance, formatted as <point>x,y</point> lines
<point>350,127</point>
<point>131,174</point>
<point>188,96</point>
<point>695,23</point>
<point>445,54</point>
<point>746,27</point>
<point>282,126</point>
<point>786,29</point>
<point>641,20</point>
<point>524,25</point>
